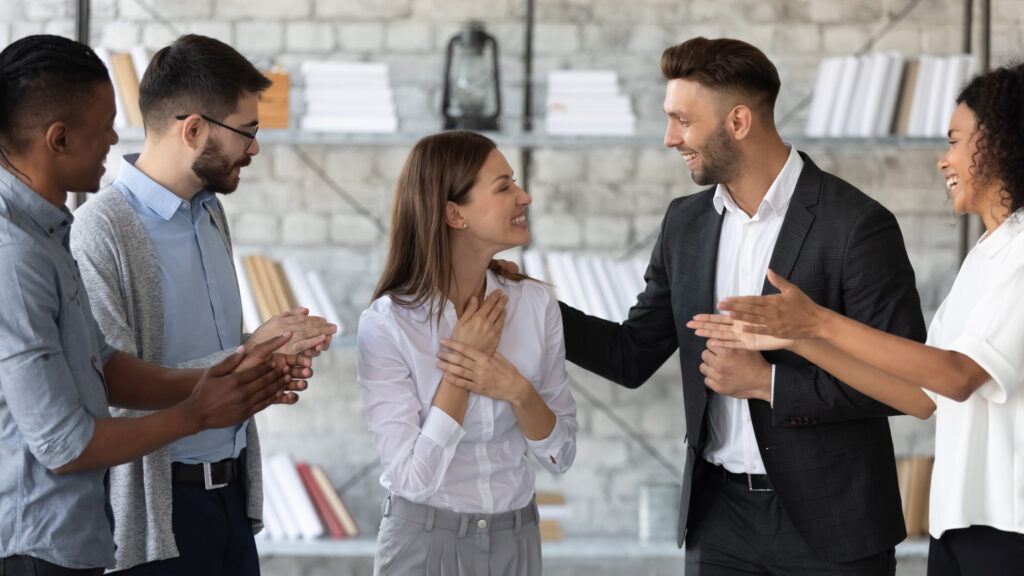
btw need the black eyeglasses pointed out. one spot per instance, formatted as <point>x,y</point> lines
<point>250,135</point>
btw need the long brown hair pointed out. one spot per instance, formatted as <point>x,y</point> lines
<point>441,168</point>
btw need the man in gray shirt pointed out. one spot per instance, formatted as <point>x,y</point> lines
<point>57,374</point>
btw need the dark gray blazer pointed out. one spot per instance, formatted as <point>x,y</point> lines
<point>825,446</point>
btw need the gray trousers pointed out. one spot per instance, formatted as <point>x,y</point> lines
<point>417,539</point>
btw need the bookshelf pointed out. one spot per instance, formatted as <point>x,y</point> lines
<point>533,140</point>
<point>598,548</point>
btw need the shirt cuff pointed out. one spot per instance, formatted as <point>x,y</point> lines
<point>772,399</point>
<point>1004,379</point>
<point>442,429</point>
<point>548,448</point>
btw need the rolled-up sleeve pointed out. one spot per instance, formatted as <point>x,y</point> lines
<point>415,450</point>
<point>558,451</point>
<point>35,378</point>
<point>994,337</point>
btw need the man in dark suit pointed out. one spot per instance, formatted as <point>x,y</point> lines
<point>788,471</point>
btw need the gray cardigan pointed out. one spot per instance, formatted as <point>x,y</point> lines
<point>120,271</point>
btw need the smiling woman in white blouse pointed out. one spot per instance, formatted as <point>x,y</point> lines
<point>971,370</point>
<point>462,370</point>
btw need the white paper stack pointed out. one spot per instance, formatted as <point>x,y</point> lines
<point>348,97</point>
<point>287,500</point>
<point>939,79</point>
<point>600,286</point>
<point>855,97</point>
<point>588,102</point>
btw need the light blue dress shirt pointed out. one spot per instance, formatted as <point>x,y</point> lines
<point>51,390</point>
<point>202,306</point>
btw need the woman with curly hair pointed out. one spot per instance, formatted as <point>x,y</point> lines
<point>970,371</point>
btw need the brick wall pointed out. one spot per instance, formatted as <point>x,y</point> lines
<point>587,198</point>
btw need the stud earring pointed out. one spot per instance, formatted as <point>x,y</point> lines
<point>464,225</point>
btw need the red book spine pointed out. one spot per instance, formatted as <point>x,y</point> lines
<point>323,507</point>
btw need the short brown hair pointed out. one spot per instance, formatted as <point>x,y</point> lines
<point>728,65</point>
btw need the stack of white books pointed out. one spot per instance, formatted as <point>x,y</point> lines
<point>348,97</point>
<point>882,93</point>
<point>600,286</point>
<point>588,103</point>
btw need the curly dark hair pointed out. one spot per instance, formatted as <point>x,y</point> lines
<point>997,100</point>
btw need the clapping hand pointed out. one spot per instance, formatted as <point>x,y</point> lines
<point>311,334</point>
<point>297,367</point>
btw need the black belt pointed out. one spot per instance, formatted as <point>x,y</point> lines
<point>210,475</point>
<point>753,482</point>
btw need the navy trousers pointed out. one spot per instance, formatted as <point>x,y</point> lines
<point>213,534</point>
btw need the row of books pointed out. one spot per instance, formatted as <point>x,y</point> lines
<point>588,103</point>
<point>126,69</point>
<point>299,502</point>
<point>269,287</point>
<point>884,93</point>
<point>915,480</point>
<point>599,286</point>
<point>348,97</point>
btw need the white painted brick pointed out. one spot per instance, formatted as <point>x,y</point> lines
<point>605,232</point>
<point>353,230</point>
<point>843,39</point>
<point>620,13</point>
<point>848,11</point>
<point>552,231</point>
<point>599,37</point>
<point>650,40</point>
<point>938,39</point>
<point>646,197</point>
<point>556,39</point>
<point>259,37</point>
<point>738,11</point>
<point>557,165</point>
<point>301,228</point>
<point>461,9</point>
<point>389,161</point>
<point>120,35</point>
<point>263,9</point>
<point>904,38</point>
<point>155,35</point>
<point>172,11</point>
<point>361,36</point>
<point>60,27</point>
<point>309,37</point>
<point>413,102</point>
<point>605,453</point>
<point>798,38</point>
<point>660,165</point>
<point>408,36</point>
<point>364,9</point>
<point>255,228</point>
<point>608,165</point>
<point>5,34</point>
<point>218,29</point>
<point>350,165</point>
<point>43,10</point>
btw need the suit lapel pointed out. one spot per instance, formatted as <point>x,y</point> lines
<point>796,224</point>
<point>711,232</point>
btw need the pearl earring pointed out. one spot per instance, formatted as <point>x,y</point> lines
<point>464,225</point>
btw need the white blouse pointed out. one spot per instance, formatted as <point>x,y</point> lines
<point>481,466</point>
<point>978,477</point>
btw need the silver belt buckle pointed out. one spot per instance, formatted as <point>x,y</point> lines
<point>208,479</point>
<point>750,485</point>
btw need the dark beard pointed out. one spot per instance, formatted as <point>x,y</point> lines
<point>718,159</point>
<point>214,170</point>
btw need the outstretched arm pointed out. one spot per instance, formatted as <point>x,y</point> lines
<point>791,314</point>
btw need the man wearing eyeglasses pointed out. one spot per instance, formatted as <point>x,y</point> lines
<point>155,254</point>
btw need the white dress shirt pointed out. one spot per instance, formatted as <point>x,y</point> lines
<point>978,478</point>
<point>481,466</point>
<point>744,250</point>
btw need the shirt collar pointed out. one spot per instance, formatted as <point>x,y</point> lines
<point>779,193</point>
<point>991,244</point>
<point>52,220</point>
<point>159,199</point>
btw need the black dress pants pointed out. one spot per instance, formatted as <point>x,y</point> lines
<point>29,566</point>
<point>976,551</point>
<point>738,531</point>
<point>213,534</point>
